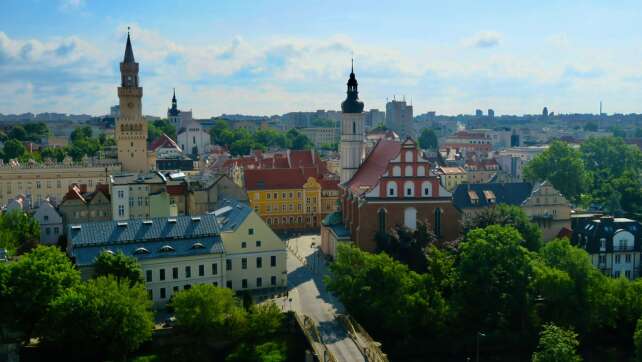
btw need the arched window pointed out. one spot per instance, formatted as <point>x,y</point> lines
<point>426,188</point>
<point>438,222</point>
<point>396,171</point>
<point>392,189</point>
<point>408,171</point>
<point>409,189</point>
<point>409,156</point>
<point>421,171</point>
<point>410,218</point>
<point>382,220</point>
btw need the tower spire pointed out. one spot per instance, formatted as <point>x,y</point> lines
<point>129,53</point>
<point>174,97</point>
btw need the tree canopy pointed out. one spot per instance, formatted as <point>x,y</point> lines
<point>16,228</point>
<point>428,139</point>
<point>119,265</point>
<point>512,215</point>
<point>241,141</point>
<point>556,345</point>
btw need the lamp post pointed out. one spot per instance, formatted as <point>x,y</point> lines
<point>479,334</point>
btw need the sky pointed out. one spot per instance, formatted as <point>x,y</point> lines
<point>271,57</point>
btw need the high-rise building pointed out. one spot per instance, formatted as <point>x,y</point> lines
<point>352,130</point>
<point>479,113</point>
<point>131,127</point>
<point>374,118</point>
<point>399,118</point>
<point>491,113</point>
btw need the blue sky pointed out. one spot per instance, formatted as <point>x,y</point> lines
<point>270,57</point>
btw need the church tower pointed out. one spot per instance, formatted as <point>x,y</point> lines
<point>174,115</point>
<point>131,127</point>
<point>352,130</point>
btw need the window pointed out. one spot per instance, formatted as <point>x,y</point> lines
<point>410,218</point>
<point>188,272</point>
<point>121,194</point>
<point>215,284</point>
<point>228,264</point>
<point>201,270</point>
<point>276,195</point>
<point>176,289</point>
<point>161,274</point>
<point>354,128</point>
<point>269,196</point>
<point>148,275</point>
<point>258,243</point>
<point>244,263</point>
<point>150,294</point>
<point>627,273</point>
<point>250,231</point>
<point>421,171</point>
<point>617,259</point>
<point>602,244</point>
<point>257,196</point>
<point>229,284</point>
<point>243,245</point>
<point>382,220</point>
<point>273,260</point>
<point>244,283</point>
<point>48,231</point>
<point>56,230</point>
<point>392,189</point>
<point>438,222</point>
<point>408,171</point>
<point>627,257</point>
<point>409,186</point>
<point>298,194</point>
<point>214,269</point>
<point>283,196</point>
<point>273,280</point>
<point>259,262</point>
<point>409,157</point>
<point>162,293</point>
<point>426,188</point>
<point>174,273</point>
<point>121,210</point>
<point>259,282</point>
<point>46,217</point>
<point>602,259</point>
<point>396,171</point>
<point>617,274</point>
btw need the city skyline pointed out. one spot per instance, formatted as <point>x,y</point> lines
<point>287,56</point>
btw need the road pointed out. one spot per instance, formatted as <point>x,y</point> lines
<point>310,297</point>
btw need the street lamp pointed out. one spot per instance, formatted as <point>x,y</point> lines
<point>479,334</point>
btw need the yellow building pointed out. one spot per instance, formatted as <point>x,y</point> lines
<point>290,199</point>
<point>451,177</point>
<point>52,180</point>
<point>255,257</point>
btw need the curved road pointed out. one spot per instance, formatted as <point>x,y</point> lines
<point>310,297</point>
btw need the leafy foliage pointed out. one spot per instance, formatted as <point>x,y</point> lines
<point>101,317</point>
<point>119,265</point>
<point>428,139</point>
<point>158,127</point>
<point>563,167</point>
<point>16,228</point>
<point>556,345</point>
<point>241,141</point>
<point>512,215</point>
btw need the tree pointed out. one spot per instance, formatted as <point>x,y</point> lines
<point>119,265</point>
<point>206,310</point>
<point>263,320</point>
<point>36,131</point>
<point>428,139</point>
<point>158,127</point>
<point>590,127</point>
<point>13,149</point>
<point>32,283</point>
<point>637,340</point>
<point>102,317</point>
<point>509,215</point>
<point>18,133</point>
<point>563,167</point>
<point>557,345</point>
<point>608,157</point>
<point>81,133</point>
<point>241,147</point>
<point>54,153</point>
<point>494,271</point>
<point>266,352</point>
<point>217,129</point>
<point>16,228</point>
<point>301,142</point>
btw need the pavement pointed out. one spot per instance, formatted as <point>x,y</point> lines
<point>308,294</point>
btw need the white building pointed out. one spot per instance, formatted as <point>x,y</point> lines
<point>50,223</point>
<point>352,131</point>
<point>193,139</point>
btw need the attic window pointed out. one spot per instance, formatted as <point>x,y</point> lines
<point>196,218</point>
<point>489,196</point>
<point>167,249</point>
<point>474,199</point>
<point>147,222</point>
<point>109,251</point>
<point>76,227</point>
<point>122,224</point>
<point>198,246</point>
<point>171,220</point>
<point>141,250</point>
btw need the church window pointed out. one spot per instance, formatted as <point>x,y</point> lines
<point>382,220</point>
<point>392,189</point>
<point>421,171</point>
<point>410,188</point>
<point>409,156</point>
<point>427,188</point>
<point>410,218</point>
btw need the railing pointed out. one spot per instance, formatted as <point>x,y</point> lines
<point>312,333</point>
<point>370,348</point>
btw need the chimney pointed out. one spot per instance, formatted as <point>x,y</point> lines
<point>83,188</point>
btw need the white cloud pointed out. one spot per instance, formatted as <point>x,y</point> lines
<point>484,39</point>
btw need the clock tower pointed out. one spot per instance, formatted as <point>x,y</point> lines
<point>131,127</point>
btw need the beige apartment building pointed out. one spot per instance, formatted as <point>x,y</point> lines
<point>42,180</point>
<point>321,135</point>
<point>549,209</point>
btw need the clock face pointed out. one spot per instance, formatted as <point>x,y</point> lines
<point>130,105</point>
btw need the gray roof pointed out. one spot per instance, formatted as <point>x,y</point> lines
<point>162,228</point>
<point>505,193</point>
<point>146,239</point>
<point>230,214</point>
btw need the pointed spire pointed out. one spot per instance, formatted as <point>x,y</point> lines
<point>129,53</point>
<point>174,97</point>
<point>352,67</point>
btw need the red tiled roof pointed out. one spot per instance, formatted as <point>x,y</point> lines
<point>276,178</point>
<point>375,164</point>
<point>163,141</point>
<point>175,189</point>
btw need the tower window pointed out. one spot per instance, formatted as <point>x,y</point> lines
<point>354,128</point>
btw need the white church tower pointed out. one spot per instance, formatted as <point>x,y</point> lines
<point>352,131</point>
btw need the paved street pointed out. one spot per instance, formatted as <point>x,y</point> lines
<point>309,296</point>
